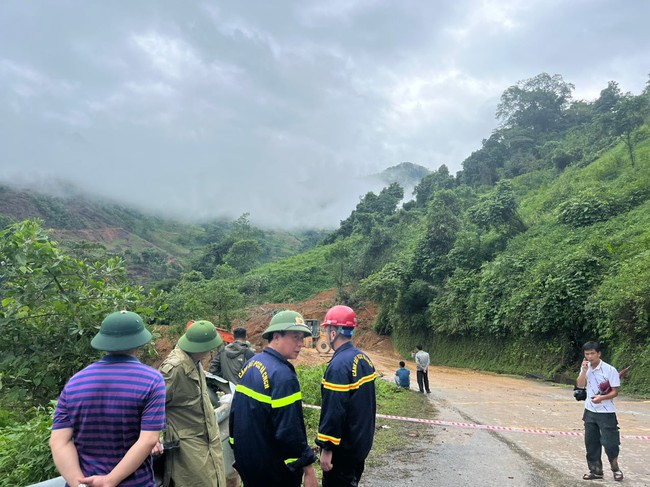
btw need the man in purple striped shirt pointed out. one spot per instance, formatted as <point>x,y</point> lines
<point>110,414</point>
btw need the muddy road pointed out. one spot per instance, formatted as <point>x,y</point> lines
<point>449,455</point>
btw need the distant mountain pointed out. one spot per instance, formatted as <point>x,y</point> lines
<point>94,227</point>
<point>406,174</point>
<point>154,247</point>
<point>70,212</point>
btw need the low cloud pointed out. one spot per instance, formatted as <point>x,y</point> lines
<point>280,109</point>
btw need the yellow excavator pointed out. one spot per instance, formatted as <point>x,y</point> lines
<point>319,338</point>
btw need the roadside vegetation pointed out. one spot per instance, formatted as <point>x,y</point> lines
<point>25,456</point>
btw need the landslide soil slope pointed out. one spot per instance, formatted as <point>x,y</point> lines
<point>258,318</point>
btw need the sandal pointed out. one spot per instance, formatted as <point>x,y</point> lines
<point>593,476</point>
<point>618,475</point>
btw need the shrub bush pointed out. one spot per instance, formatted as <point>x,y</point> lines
<point>25,456</point>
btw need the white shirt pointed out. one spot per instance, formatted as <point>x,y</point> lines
<point>421,360</point>
<point>596,376</point>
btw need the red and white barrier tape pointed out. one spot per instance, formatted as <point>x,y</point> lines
<point>458,424</point>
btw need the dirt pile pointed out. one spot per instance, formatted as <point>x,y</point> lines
<point>258,318</point>
<point>315,308</point>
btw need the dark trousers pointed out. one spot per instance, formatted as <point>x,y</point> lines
<point>423,381</point>
<point>601,431</point>
<point>346,472</point>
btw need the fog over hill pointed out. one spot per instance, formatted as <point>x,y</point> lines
<point>310,208</point>
<point>204,109</point>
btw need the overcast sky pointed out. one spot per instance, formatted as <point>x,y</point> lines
<point>206,108</point>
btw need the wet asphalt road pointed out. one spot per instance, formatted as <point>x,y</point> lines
<point>444,456</point>
<point>454,456</point>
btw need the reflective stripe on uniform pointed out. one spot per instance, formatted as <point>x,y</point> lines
<point>348,387</point>
<point>331,439</point>
<point>290,460</point>
<point>275,403</point>
<point>253,394</point>
<point>286,401</point>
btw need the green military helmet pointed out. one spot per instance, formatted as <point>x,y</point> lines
<point>201,336</point>
<point>286,321</point>
<point>120,331</point>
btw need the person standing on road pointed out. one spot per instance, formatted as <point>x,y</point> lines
<point>110,414</point>
<point>267,428</point>
<point>229,361</point>
<point>348,407</point>
<point>403,376</point>
<point>601,425</point>
<point>422,368</point>
<point>191,423</point>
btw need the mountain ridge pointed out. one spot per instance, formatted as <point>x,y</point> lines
<point>66,207</point>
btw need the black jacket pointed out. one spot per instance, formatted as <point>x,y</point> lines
<point>267,428</point>
<point>230,360</point>
<point>349,405</point>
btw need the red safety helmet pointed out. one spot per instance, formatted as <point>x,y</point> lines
<point>341,316</point>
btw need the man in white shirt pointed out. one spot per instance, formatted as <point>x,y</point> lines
<point>602,382</point>
<point>422,369</point>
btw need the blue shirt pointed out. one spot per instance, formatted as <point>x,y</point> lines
<point>404,377</point>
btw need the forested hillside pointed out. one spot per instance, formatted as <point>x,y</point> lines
<point>539,244</point>
<point>158,250</point>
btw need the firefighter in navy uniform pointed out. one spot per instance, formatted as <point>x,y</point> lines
<point>267,428</point>
<point>347,420</point>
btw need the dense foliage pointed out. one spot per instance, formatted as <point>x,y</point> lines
<point>537,245</point>
<point>52,305</point>
<point>25,456</point>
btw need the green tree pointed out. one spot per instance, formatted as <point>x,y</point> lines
<point>339,257</point>
<point>498,210</point>
<point>211,256</point>
<point>383,287</point>
<point>372,210</point>
<point>628,115</point>
<point>430,262</point>
<point>52,305</point>
<point>388,199</point>
<point>195,297</point>
<point>242,228</point>
<point>608,99</point>
<point>481,167</point>
<point>449,310</point>
<point>243,255</point>
<point>432,182</point>
<point>538,103</point>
